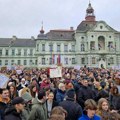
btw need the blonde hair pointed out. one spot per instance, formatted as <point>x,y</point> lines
<point>61,85</point>
<point>100,102</point>
<point>24,90</point>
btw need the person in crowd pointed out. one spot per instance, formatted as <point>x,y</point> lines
<point>33,91</point>
<point>111,84</point>
<point>103,109</point>
<point>73,109</point>
<point>114,116</point>
<point>12,92</point>
<point>22,84</point>
<point>56,117</point>
<point>14,79</point>
<point>51,103</point>
<point>14,112</point>
<point>89,112</point>
<point>68,85</point>
<point>118,105</point>
<point>45,83</point>
<point>4,101</point>
<point>85,93</point>
<point>39,109</point>
<point>47,91</point>
<point>100,90</point>
<point>58,111</point>
<point>23,91</point>
<point>35,83</point>
<point>114,97</point>
<point>60,94</point>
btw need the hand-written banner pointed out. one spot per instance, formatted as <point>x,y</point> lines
<point>77,67</point>
<point>3,80</point>
<point>55,72</point>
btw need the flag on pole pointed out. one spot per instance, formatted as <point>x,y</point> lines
<point>53,58</point>
<point>58,59</point>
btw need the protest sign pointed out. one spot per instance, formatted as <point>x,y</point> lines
<point>3,80</point>
<point>19,71</point>
<point>55,72</point>
<point>77,67</point>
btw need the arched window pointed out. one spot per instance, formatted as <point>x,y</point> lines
<point>82,60</point>
<point>93,60</point>
<point>101,43</point>
<point>82,47</point>
<point>111,60</point>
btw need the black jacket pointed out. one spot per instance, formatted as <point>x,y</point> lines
<point>12,114</point>
<point>84,94</point>
<point>3,106</point>
<point>74,110</point>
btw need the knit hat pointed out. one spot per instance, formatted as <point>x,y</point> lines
<point>18,100</point>
<point>70,93</point>
<point>27,96</point>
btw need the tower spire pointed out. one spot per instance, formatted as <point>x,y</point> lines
<point>89,1</point>
<point>42,30</point>
<point>90,13</point>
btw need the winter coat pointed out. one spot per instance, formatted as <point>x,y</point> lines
<point>12,114</point>
<point>60,95</point>
<point>44,84</point>
<point>54,104</point>
<point>114,101</point>
<point>38,111</point>
<point>3,106</point>
<point>85,117</point>
<point>74,110</point>
<point>84,94</point>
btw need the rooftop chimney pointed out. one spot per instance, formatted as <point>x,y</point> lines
<point>32,38</point>
<point>14,37</point>
<point>71,28</point>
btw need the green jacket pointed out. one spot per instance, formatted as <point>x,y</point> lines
<point>39,110</point>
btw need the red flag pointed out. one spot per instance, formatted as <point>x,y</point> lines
<point>59,59</point>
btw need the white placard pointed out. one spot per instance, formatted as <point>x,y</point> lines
<point>19,71</point>
<point>55,72</point>
<point>3,80</point>
<point>77,67</point>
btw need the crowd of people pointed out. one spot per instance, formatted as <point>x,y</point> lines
<point>84,94</point>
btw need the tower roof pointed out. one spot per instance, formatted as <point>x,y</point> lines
<point>42,31</point>
<point>42,35</point>
<point>90,13</point>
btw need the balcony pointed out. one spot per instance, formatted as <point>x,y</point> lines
<point>102,51</point>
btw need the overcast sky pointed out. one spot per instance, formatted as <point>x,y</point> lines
<point>23,18</point>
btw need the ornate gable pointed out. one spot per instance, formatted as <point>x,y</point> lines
<point>102,26</point>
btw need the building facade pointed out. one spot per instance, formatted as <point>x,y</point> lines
<point>93,43</point>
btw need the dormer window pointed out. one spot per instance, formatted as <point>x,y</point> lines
<point>82,37</point>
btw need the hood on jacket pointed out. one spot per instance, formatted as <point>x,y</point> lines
<point>37,101</point>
